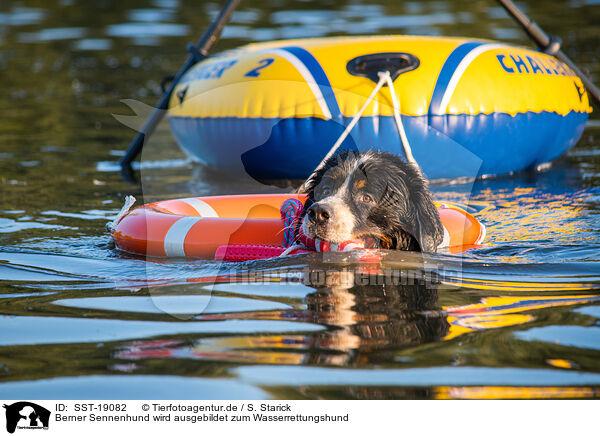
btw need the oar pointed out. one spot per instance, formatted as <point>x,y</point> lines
<point>550,45</point>
<point>197,53</point>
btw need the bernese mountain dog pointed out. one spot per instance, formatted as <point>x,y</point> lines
<point>375,196</point>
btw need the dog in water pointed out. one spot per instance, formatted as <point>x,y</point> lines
<point>373,196</point>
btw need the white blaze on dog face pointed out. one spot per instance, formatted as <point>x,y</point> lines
<point>341,225</point>
<point>332,193</point>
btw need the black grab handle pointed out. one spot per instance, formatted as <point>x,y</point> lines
<point>370,65</point>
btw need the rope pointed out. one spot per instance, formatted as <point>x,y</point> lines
<point>290,213</point>
<point>384,77</point>
<point>396,103</point>
<point>346,131</point>
<point>129,201</point>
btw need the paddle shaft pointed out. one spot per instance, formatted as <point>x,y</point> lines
<point>543,40</point>
<point>199,52</point>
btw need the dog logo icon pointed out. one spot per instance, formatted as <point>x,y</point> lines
<point>26,415</point>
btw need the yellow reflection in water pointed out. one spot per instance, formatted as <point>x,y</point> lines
<point>526,214</point>
<point>496,312</point>
<point>512,392</point>
<point>254,349</point>
<point>516,286</point>
<point>562,363</point>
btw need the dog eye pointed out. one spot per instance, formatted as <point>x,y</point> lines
<point>325,191</point>
<point>366,198</point>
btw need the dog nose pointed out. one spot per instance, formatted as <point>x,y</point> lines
<point>319,213</point>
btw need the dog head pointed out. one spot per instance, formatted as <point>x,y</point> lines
<point>372,195</point>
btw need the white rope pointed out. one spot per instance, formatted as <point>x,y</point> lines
<point>396,103</point>
<point>292,248</point>
<point>129,200</point>
<point>384,76</point>
<point>347,131</point>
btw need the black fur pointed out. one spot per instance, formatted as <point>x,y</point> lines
<point>380,195</point>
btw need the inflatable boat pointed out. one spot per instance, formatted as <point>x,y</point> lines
<point>469,107</point>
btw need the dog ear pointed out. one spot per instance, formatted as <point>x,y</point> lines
<point>428,230</point>
<point>421,220</point>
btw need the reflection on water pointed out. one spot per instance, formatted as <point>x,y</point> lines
<point>515,318</point>
<point>401,332</point>
<point>503,392</point>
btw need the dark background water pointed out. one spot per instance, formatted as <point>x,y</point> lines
<point>518,317</point>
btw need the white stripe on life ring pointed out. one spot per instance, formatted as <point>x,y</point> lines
<point>481,234</point>
<point>203,208</point>
<point>308,77</point>
<point>446,241</point>
<point>175,237</point>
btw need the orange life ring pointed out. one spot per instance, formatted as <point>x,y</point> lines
<point>196,227</point>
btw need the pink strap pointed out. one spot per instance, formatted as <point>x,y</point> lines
<point>244,252</point>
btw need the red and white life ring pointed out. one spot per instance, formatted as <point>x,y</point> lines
<point>197,227</point>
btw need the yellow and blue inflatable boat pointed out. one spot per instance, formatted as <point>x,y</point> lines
<point>469,107</point>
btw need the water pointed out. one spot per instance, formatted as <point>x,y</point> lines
<point>516,318</point>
